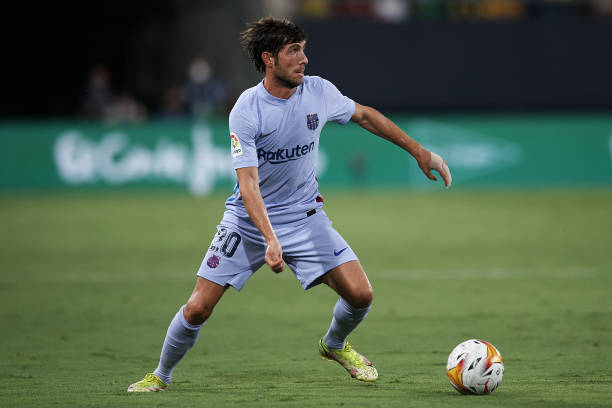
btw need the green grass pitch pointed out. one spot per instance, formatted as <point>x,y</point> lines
<point>89,283</point>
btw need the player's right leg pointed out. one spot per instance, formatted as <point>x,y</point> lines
<point>182,334</point>
<point>231,259</point>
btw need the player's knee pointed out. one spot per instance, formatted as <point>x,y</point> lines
<point>197,313</point>
<point>362,297</point>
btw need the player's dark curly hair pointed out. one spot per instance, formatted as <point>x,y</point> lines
<point>269,34</point>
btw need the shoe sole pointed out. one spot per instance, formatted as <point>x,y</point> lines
<point>150,389</point>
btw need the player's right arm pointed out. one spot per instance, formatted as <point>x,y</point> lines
<point>248,182</point>
<point>243,124</point>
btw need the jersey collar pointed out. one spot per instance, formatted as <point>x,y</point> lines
<point>263,93</point>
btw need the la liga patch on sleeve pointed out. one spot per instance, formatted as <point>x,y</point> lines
<point>236,146</point>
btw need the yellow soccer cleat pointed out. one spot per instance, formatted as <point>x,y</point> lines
<point>150,383</point>
<point>357,365</point>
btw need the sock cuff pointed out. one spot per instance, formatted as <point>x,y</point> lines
<point>185,323</point>
<point>352,309</point>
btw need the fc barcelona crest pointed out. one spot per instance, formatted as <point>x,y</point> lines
<point>213,261</point>
<point>312,121</point>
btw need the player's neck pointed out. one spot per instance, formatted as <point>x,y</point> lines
<point>276,88</point>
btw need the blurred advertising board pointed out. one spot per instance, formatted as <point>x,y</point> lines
<point>482,151</point>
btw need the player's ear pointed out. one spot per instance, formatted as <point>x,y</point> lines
<point>268,59</point>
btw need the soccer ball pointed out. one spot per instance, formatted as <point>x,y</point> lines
<point>475,367</point>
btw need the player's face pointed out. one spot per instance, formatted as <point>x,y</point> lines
<point>290,64</point>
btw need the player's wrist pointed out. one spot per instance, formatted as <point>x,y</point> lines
<point>421,154</point>
<point>271,239</point>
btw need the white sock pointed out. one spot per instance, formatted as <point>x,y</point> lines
<point>180,337</point>
<point>346,319</point>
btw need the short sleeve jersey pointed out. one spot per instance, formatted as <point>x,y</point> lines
<point>281,138</point>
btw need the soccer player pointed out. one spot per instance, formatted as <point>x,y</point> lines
<point>275,213</point>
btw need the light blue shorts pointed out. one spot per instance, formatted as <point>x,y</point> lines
<point>311,248</point>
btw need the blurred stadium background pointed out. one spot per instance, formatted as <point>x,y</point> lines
<point>114,164</point>
<point>512,92</point>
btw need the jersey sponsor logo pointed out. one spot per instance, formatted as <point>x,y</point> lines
<point>312,121</point>
<point>285,155</point>
<point>213,261</point>
<point>236,146</point>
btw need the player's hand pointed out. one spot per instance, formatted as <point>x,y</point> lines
<point>274,256</point>
<point>430,161</point>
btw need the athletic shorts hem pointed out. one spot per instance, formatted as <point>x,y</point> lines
<point>222,282</point>
<point>317,281</point>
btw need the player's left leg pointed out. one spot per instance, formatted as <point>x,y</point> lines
<point>317,253</point>
<point>351,283</point>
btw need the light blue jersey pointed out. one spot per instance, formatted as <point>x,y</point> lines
<point>281,138</point>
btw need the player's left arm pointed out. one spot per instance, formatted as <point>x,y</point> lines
<point>377,123</point>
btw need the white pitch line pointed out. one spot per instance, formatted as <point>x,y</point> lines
<point>490,273</point>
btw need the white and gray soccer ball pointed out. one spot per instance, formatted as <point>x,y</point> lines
<point>475,367</point>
